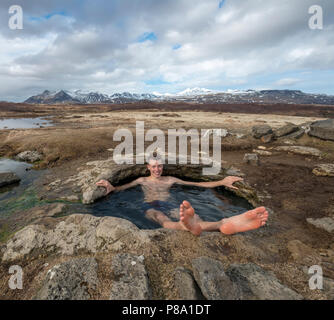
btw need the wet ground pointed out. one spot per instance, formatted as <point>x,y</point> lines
<point>11,196</point>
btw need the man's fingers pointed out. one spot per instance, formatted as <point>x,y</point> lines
<point>235,188</point>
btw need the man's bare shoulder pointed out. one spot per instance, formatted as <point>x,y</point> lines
<point>141,180</point>
<point>171,179</point>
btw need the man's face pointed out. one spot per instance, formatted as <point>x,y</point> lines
<point>155,168</point>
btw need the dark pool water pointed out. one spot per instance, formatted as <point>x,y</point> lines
<point>10,196</point>
<point>24,123</point>
<point>209,204</point>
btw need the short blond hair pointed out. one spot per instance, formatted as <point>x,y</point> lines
<point>154,156</point>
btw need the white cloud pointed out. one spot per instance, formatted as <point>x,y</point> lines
<point>287,82</point>
<point>94,46</point>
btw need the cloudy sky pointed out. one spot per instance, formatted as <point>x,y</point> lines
<point>165,46</point>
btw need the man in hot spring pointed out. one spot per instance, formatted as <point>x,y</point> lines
<point>156,190</point>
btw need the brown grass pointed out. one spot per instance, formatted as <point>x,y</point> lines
<point>57,145</point>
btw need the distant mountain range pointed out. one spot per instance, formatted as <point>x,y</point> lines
<point>195,95</point>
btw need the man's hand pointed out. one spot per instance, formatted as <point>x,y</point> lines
<point>106,184</point>
<point>228,181</point>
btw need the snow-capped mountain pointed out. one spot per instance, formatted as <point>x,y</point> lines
<point>52,97</point>
<point>88,97</point>
<point>195,95</point>
<point>79,96</point>
<point>195,92</point>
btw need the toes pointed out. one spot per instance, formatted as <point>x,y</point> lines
<point>186,204</point>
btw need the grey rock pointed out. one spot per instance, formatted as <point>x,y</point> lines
<point>93,193</point>
<point>258,284</point>
<point>251,158</point>
<point>325,223</point>
<point>285,130</point>
<point>212,280</point>
<point>308,151</point>
<point>29,156</point>
<point>8,178</point>
<point>70,280</point>
<point>268,138</point>
<point>295,135</point>
<point>262,152</point>
<point>232,171</point>
<point>323,129</point>
<point>186,285</point>
<point>130,278</point>
<point>324,170</point>
<point>74,234</point>
<point>261,130</point>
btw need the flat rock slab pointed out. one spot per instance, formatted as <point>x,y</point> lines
<point>258,284</point>
<point>325,223</point>
<point>261,130</point>
<point>285,130</point>
<point>70,280</point>
<point>186,285</point>
<point>8,178</point>
<point>76,233</point>
<point>303,254</point>
<point>323,129</point>
<point>324,170</point>
<point>307,151</point>
<point>296,134</point>
<point>212,280</point>
<point>130,278</point>
<point>263,152</point>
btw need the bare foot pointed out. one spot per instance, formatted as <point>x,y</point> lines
<point>188,219</point>
<point>249,220</point>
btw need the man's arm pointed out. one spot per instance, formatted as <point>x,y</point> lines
<point>111,188</point>
<point>226,182</point>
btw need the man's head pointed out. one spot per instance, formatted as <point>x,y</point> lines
<point>154,165</point>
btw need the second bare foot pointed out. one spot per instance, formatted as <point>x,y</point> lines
<point>249,220</point>
<point>188,219</point>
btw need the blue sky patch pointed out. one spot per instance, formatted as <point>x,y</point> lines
<point>176,46</point>
<point>221,3</point>
<point>147,36</point>
<point>48,16</point>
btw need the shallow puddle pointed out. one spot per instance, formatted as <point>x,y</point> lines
<point>24,123</point>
